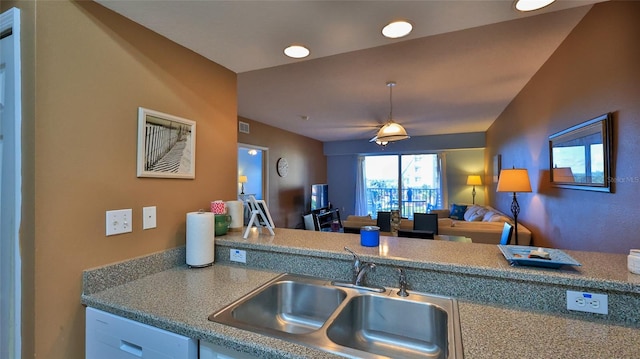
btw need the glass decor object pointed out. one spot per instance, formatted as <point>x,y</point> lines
<point>395,221</point>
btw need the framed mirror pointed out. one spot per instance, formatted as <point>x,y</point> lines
<point>580,156</point>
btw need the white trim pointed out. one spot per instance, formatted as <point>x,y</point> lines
<point>10,336</point>
<point>265,168</point>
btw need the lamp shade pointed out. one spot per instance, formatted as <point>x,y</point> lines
<point>514,180</point>
<point>242,179</point>
<point>474,180</point>
<point>563,174</point>
<point>390,132</point>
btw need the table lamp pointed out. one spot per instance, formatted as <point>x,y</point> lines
<point>514,180</point>
<point>242,180</point>
<point>474,180</point>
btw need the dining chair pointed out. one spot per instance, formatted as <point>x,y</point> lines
<point>507,231</point>
<point>409,233</point>
<point>384,221</point>
<point>355,230</point>
<point>426,222</point>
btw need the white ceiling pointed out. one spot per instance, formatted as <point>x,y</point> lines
<point>456,72</point>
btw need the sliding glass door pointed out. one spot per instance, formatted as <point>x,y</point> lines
<point>409,183</point>
<point>381,183</point>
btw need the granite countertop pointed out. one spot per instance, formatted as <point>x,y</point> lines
<point>180,299</point>
<point>604,271</point>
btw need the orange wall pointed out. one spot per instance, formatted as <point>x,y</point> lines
<point>290,196</point>
<point>594,71</point>
<point>93,69</point>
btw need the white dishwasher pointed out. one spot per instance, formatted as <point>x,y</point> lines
<point>109,336</point>
<point>213,351</point>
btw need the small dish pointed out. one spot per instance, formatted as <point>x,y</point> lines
<point>518,255</point>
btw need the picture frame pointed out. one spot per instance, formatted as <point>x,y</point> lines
<point>260,215</point>
<point>497,167</point>
<point>264,212</point>
<point>166,145</point>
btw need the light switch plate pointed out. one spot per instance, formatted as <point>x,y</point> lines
<point>148,217</point>
<point>118,222</point>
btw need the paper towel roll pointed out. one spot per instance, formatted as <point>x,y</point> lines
<point>236,210</point>
<point>200,238</point>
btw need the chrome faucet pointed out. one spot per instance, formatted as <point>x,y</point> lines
<point>362,272</point>
<point>356,265</point>
<point>359,271</point>
<point>402,283</point>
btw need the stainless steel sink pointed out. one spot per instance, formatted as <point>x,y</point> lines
<point>349,321</point>
<point>392,327</point>
<point>290,306</point>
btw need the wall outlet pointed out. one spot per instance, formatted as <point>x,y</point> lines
<point>588,302</point>
<point>118,221</point>
<point>236,255</point>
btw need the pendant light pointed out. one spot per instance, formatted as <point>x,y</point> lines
<point>390,131</point>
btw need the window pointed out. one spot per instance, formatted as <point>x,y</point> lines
<point>409,183</point>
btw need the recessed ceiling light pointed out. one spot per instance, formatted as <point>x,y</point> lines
<point>296,51</point>
<point>531,5</point>
<point>397,29</point>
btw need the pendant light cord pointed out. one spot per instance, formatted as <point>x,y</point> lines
<point>391,85</point>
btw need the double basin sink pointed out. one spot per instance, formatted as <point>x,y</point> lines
<point>349,321</point>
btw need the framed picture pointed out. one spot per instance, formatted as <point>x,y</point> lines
<point>497,167</point>
<point>260,215</point>
<point>166,145</point>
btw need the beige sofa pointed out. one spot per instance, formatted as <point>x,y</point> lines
<point>483,224</point>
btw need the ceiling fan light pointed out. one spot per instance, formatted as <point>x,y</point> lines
<point>391,132</point>
<point>531,5</point>
<point>296,51</point>
<point>397,29</point>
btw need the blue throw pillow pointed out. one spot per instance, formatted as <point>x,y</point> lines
<point>457,211</point>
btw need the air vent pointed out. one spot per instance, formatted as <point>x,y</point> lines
<point>243,127</point>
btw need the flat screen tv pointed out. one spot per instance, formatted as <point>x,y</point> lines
<point>319,196</point>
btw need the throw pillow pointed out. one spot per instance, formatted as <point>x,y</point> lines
<point>475,213</point>
<point>476,218</point>
<point>470,212</point>
<point>487,216</point>
<point>457,212</point>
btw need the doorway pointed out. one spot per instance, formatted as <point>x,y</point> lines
<point>10,183</point>
<point>252,171</point>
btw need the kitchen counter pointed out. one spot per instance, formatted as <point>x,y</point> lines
<point>161,291</point>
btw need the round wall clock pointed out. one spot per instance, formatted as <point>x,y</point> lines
<point>282,167</point>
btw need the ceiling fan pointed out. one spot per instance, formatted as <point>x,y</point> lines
<point>390,131</point>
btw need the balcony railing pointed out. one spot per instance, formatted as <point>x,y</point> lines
<point>413,200</point>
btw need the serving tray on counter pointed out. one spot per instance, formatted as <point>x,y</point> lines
<point>519,255</point>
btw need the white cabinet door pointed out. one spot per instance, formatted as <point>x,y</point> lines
<point>109,336</point>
